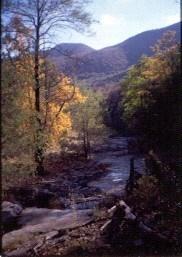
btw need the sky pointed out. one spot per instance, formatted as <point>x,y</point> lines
<point>122,19</point>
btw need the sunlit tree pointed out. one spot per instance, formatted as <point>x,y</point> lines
<point>44,18</point>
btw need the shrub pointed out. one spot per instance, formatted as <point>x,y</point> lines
<point>148,189</point>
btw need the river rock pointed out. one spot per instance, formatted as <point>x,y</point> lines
<point>35,216</point>
<point>44,222</point>
<point>51,235</point>
<point>90,191</point>
<point>68,170</point>
<point>25,195</point>
<point>21,252</point>
<point>43,197</point>
<point>10,210</point>
<point>87,205</point>
<point>63,202</point>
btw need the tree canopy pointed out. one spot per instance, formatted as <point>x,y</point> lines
<point>152,91</point>
<point>31,28</point>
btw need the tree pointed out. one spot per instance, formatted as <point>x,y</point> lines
<point>149,87</point>
<point>112,107</point>
<point>88,118</point>
<point>12,82</point>
<point>43,17</point>
<point>18,110</point>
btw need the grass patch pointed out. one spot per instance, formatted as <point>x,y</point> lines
<point>15,243</point>
<point>16,172</point>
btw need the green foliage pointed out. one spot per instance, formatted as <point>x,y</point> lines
<point>147,189</point>
<point>148,89</point>
<point>14,139</point>
<point>22,42</point>
<point>113,108</point>
<point>87,118</point>
<point>159,207</point>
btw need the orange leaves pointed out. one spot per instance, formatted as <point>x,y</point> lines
<point>57,125</point>
<point>59,119</point>
<point>56,95</point>
<point>69,93</point>
<point>153,68</point>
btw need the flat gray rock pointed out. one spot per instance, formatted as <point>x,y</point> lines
<point>41,221</point>
<point>21,252</point>
<point>35,216</point>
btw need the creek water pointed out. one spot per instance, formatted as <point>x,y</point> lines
<point>111,154</point>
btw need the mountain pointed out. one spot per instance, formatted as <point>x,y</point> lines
<point>64,56</point>
<point>70,49</point>
<point>108,65</point>
<point>140,44</point>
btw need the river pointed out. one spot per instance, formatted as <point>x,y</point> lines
<point>111,154</point>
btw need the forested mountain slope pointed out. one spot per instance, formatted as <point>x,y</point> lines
<point>108,65</point>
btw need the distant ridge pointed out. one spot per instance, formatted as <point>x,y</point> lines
<point>70,48</point>
<point>108,65</point>
<point>140,44</point>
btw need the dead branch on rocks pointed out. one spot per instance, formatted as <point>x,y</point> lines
<point>120,212</point>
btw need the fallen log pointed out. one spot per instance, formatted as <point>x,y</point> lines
<point>120,212</point>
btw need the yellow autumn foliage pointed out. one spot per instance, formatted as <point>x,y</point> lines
<point>153,68</point>
<point>55,98</point>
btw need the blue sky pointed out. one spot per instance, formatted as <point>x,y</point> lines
<point>121,19</point>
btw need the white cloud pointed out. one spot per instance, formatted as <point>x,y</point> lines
<point>170,19</point>
<point>109,20</point>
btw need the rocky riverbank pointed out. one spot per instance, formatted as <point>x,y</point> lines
<point>64,199</point>
<point>45,209</point>
<point>63,212</point>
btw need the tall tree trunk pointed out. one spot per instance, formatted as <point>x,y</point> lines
<point>85,145</point>
<point>86,142</point>
<point>39,151</point>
